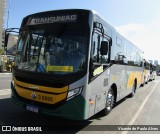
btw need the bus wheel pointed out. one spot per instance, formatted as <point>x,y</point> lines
<point>133,90</point>
<point>143,83</point>
<point>110,101</point>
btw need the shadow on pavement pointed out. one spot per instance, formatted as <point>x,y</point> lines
<point>11,114</point>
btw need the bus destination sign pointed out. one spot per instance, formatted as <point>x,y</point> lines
<point>53,19</point>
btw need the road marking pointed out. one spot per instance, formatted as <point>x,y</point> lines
<point>140,109</point>
<point>5,81</point>
<point>5,73</point>
<point>5,92</point>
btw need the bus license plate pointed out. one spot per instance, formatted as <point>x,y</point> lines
<point>32,108</point>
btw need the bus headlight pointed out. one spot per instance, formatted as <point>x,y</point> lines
<point>74,92</point>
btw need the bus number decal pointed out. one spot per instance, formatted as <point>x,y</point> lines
<point>45,98</point>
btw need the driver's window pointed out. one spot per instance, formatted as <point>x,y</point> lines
<point>98,62</point>
<point>96,58</point>
<point>96,48</point>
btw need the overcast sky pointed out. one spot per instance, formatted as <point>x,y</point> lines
<point>138,20</point>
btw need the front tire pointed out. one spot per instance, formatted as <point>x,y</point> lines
<point>110,101</point>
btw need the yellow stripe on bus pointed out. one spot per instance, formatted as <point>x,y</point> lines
<point>41,88</point>
<point>132,77</point>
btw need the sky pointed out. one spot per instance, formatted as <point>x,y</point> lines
<point>137,20</point>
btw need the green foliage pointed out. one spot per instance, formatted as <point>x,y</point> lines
<point>1,51</point>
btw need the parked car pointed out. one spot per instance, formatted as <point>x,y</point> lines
<point>158,72</point>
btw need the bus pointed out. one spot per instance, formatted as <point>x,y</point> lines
<point>153,72</point>
<point>73,64</point>
<point>146,71</point>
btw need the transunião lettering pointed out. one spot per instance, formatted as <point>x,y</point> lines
<point>66,18</point>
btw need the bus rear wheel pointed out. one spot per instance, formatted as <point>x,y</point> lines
<point>143,82</point>
<point>110,101</point>
<point>133,90</point>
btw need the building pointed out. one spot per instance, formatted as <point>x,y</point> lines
<point>2,14</point>
<point>156,62</point>
<point>151,61</point>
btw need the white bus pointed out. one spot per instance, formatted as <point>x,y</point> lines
<point>146,71</point>
<point>153,72</point>
<point>73,64</point>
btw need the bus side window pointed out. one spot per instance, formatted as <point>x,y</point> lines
<point>97,60</point>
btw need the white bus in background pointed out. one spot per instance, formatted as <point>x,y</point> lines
<point>152,72</point>
<point>146,71</point>
<point>89,66</point>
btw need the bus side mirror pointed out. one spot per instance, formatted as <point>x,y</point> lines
<point>13,32</point>
<point>104,48</point>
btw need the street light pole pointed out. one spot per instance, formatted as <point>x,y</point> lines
<point>9,4</point>
<point>8,13</point>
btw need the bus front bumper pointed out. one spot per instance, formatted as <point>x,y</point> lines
<point>72,109</point>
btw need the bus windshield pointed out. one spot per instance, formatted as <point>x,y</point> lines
<point>57,49</point>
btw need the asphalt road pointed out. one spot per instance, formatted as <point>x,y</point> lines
<point>142,109</point>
